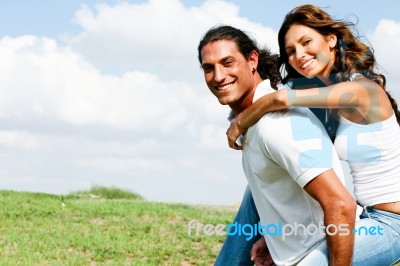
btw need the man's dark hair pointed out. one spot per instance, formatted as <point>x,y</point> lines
<point>268,63</point>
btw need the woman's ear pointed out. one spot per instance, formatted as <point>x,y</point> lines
<point>332,40</point>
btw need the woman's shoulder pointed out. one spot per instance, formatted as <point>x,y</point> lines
<point>356,76</point>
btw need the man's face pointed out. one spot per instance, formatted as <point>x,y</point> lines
<point>227,73</point>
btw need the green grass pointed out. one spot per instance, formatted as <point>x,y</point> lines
<point>82,229</point>
<point>105,193</point>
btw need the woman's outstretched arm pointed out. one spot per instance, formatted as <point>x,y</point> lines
<point>362,95</point>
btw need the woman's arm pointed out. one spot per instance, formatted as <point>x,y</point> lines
<point>360,94</point>
<point>270,102</point>
<point>345,95</point>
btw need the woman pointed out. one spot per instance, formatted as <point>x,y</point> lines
<point>312,44</point>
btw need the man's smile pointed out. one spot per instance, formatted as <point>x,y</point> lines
<point>224,87</point>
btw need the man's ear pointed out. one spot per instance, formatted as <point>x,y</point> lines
<point>253,60</point>
<point>332,40</point>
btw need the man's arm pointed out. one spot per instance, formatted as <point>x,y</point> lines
<point>339,208</point>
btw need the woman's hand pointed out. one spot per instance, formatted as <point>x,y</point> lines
<point>270,102</point>
<point>233,133</point>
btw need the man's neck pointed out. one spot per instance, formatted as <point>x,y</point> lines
<point>247,99</point>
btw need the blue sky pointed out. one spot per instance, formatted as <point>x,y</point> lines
<point>110,92</point>
<point>50,18</point>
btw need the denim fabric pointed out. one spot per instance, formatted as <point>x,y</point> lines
<point>236,249</point>
<point>378,249</point>
<point>371,248</point>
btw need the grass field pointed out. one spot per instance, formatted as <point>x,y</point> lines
<point>104,227</point>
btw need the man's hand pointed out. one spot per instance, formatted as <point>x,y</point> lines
<point>260,254</point>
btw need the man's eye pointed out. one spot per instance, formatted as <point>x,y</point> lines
<point>207,69</point>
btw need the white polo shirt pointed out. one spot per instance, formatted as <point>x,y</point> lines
<point>282,153</point>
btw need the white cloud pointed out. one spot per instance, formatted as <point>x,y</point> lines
<point>18,140</point>
<point>385,40</point>
<point>191,163</point>
<point>160,36</point>
<point>213,137</point>
<point>58,84</point>
<point>140,166</point>
<point>217,175</point>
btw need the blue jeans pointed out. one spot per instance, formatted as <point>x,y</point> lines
<point>236,249</point>
<point>370,247</point>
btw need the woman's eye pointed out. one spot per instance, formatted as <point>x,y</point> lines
<point>306,42</point>
<point>290,52</point>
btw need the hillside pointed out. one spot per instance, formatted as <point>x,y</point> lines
<point>89,229</point>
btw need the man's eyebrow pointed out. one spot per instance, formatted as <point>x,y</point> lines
<point>206,65</point>
<point>222,60</point>
<point>227,58</point>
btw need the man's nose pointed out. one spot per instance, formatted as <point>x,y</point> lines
<point>219,74</point>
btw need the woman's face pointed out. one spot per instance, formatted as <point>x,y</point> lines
<point>310,53</point>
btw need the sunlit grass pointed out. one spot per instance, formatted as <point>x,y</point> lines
<point>105,193</point>
<point>43,229</point>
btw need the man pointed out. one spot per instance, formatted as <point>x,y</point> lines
<point>292,185</point>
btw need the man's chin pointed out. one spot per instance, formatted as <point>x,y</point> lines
<point>224,101</point>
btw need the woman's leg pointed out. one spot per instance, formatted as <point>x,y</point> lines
<point>377,240</point>
<point>236,249</point>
